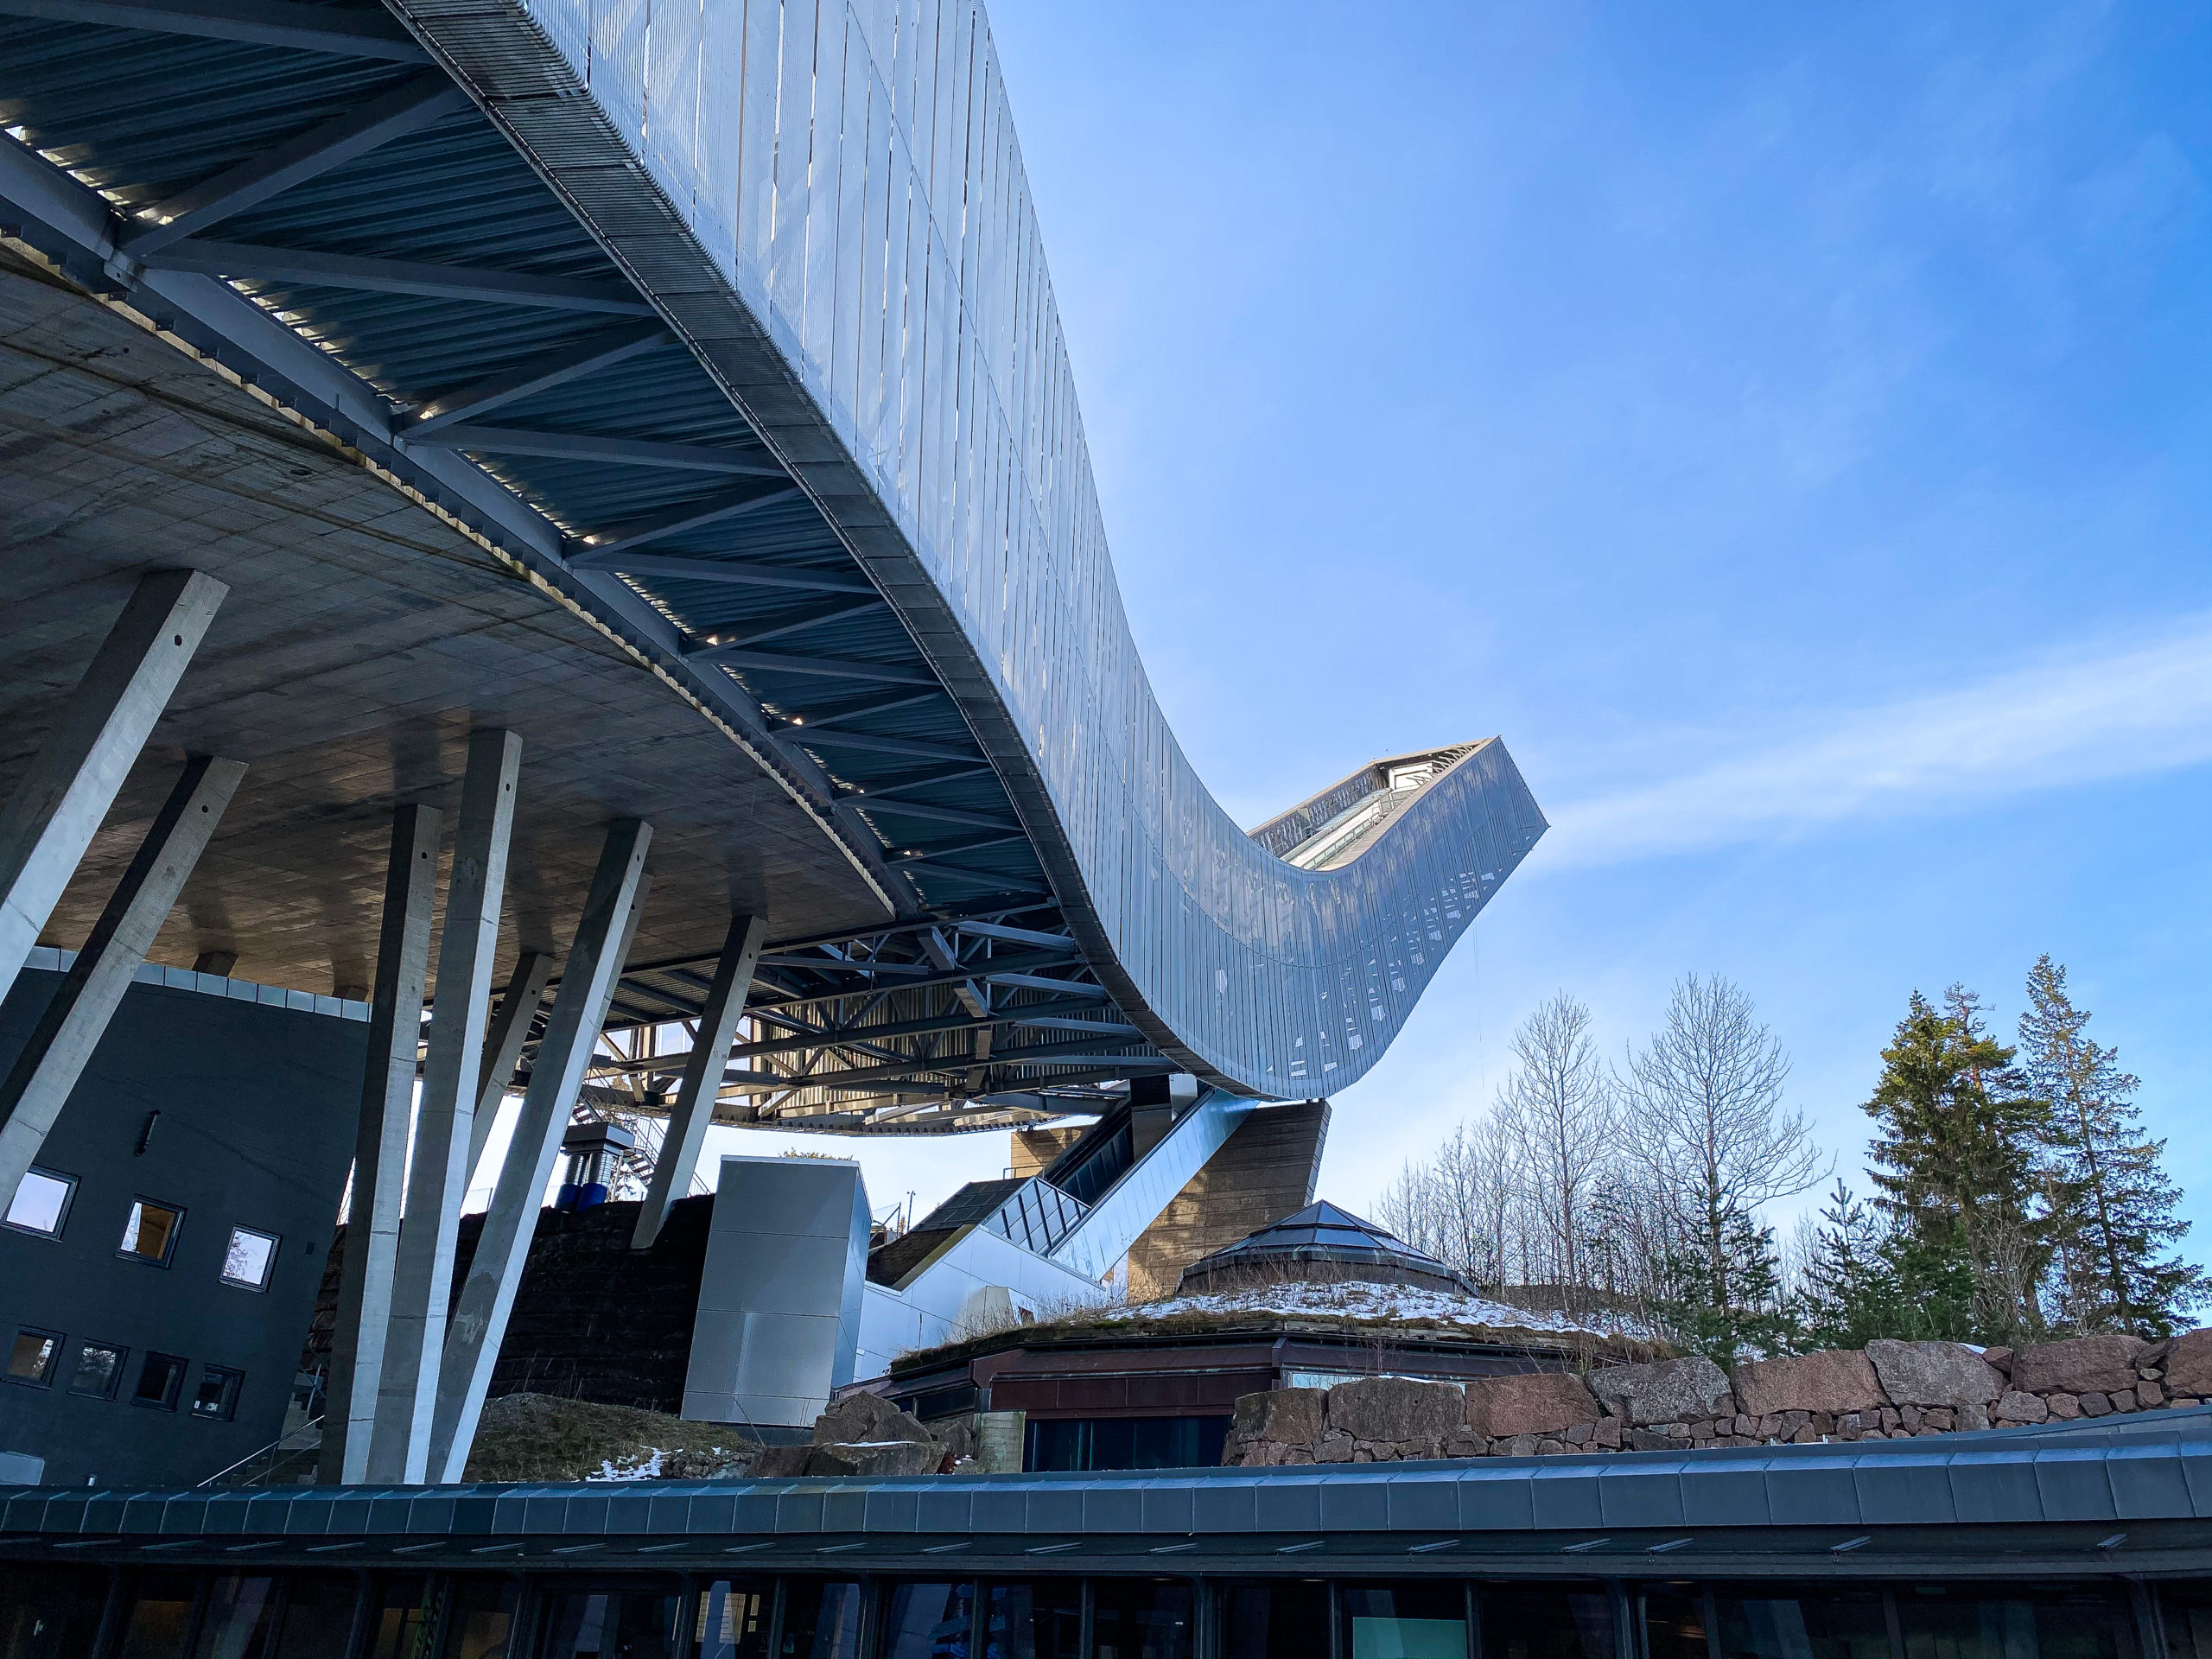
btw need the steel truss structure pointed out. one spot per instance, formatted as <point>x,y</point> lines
<point>742,348</point>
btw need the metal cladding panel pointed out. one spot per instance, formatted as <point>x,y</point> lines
<point>849,169</point>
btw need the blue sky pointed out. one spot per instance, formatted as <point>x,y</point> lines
<point>1787,426</point>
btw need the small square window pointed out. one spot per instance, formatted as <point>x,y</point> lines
<point>150,1234</point>
<point>99,1367</point>
<point>161,1379</point>
<point>41,1203</point>
<point>217,1397</point>
<point>250,1258</point>
<point>32,1359</point>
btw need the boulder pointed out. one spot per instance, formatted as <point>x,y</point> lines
<point>1932,1373</point>
<point>1292,1416</point>
<point>781,1462</point>
<point>859,1417</point>
<point>1667,1391</point>
<point>2017,1407</point>
<point>877,1458</point>
<point>1838,1380</point>
<point>1535,1403</point>
<point>1396,1408</point>
<point>2081,1365</point>
<point>2188,1364</point>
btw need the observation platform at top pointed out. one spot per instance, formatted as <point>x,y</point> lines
<point>699,417</point>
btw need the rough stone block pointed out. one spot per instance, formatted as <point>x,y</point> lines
<point>2188,1363</point>
<point>867,1417</point>
<point>1668,1391</point>
<point>1933,1373</point>
<point>1535,1402</point>
<point>1607,1434</point>
<point>1294,1416</point>
<point>2064,1406</point>
<point>2096,1364</point>
<point>2096,1404</point>
<point>1838,1380</point>
<point>781,1462</point>
<point>877,1458</point>
<point>1396,1408</point>
<point>2148,1394</point>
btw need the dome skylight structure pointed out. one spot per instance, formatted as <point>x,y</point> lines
<point>1319,1243</point>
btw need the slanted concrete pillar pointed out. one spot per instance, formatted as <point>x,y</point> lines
<point>587,980</point>
<point>357,1347</point>
<point>503,1048</point>
<point>703,1076</point>
<point>67,1034</point>
<point>423,1275</point>
<point>51,818</point>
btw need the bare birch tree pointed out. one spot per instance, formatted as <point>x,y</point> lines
<point>1557,1112</point>
<point>1702,1106</point>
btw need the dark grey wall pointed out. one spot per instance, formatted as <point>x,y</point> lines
<point>257,1106</point>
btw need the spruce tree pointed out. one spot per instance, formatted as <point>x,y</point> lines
<point>1869,1278</point>
<point>2114,1206</point>
<point>1955,1165</point>
<point>1735,1309</point>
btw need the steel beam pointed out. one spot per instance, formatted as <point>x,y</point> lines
<point>409,107</point>
<point>601,351</point>
<point>359,271</point>
<point>832,668</point>
<point>975,768</point>
<point>715,644</point>
<point>503,1047</point>
<point>605,551</point>
<point>423,1275</point>
<point>57,807</point>
<point>621,452</point>
<point>904,748</point>
<point>703,1076</point>
<point>47,1069</point>
<point>923,809</point>
<point>364,1276</point>
<point>740,574</point>
<point>587,980</point>
<point>348,32</point>
<point>860,711</point>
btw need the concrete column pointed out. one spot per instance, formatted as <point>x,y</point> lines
<point>357,1347</point>
<point>703,1076</point>
<point>438,1178</point>
<point>63,1040</point>
<point>51,818</point>
<point>587,980</point>
<point>503,1048</point>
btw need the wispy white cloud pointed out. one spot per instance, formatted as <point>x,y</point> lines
<point>2127,709</point>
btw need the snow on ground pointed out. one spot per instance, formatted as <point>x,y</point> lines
<point>1354,1300</point>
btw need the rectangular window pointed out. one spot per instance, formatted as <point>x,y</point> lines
<point>402,1611</point>
<point>160,1380</point>
<point>150,1234</point>
<point>1145,1618</point>
<point>927,1621</point>
<point>248,1261</point>
<point>1276,1620</point>
<point>479,1618</point>
<point>99,1367</point>
<point>240,1618</point>
<point>1939,1623</point>
<point>160,1620</point>
<point>1535,1621</point>
<point>217,1397</point>
<point>1780,1623</point>
<point>318,1614</point>
<point>586,1624</point>
<point>41,1203</point>
<point>734,1619</point>
<point>821,1620</point>
<point>1405,1621</point>
<point>34,1357</point>
<point>1040,1620</point>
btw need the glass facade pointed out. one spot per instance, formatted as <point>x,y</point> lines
<point>49,1612</point>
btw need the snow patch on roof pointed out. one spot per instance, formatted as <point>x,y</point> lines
<point>1405,1304</point>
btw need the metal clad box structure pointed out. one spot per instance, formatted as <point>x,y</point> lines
<point>779,1300</point>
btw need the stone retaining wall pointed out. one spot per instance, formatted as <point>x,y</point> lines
<point>1892,1390</point>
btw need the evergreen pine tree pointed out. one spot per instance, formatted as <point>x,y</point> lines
<point>1955,1165</point>
<point>1738,1306</point>
<point>1869,1278</point>
<point>2114,1206</point>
